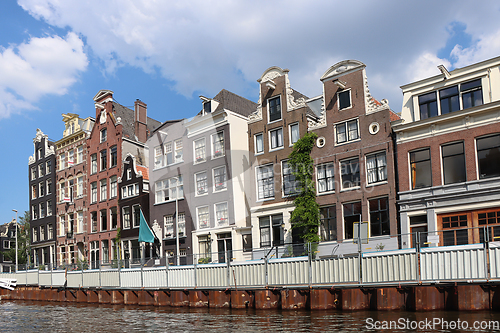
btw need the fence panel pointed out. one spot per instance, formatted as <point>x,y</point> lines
<point>91,279</point>
<point>390,267</point>
<point>181,277</point>
<point>335,270</point>
<point>288,271</point>
<point>495,260</point>
<point>131,278</point>
<point>453,263</point>
<point>32,277</point>
<point>154,277</point>
<point>211,275</point>
<point>110,278</point>
<point>248,273</point>
<point>74,279</point>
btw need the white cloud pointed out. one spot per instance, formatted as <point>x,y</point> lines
<point>209,45</point>
<point>41,66</point>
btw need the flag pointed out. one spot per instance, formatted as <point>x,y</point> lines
<point>145,233</point>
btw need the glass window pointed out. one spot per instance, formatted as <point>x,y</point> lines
<point>49,207</point>
<point>79,187</point>
<point>376,168</point>
<point>159,158</point>
<point>271,229</point>
<point>379,217</point>
<point>200,150</point>
<point>220,179</point>
<point>344,99</point>
<point>104,159</point>
<point>93,192</point>
<point>428,105</point>
<point>126,217</point>
<point>328,223</point>
<point>104,135</point>
<point>276,138</point>
<point>420,165</point>
<point>453,163</point>
<point>352,214</point>
<point>347,131</point>
<point>488,156</point>
<point>203,217</point>
<point>136,215</point>
<point>114,217</point>
<point>448,99</point>
<point>169,225</point>
<point>166,189</point>
<point>79,154</point>
<point>79,224</point>
<point>290,186</point>
<point>182,224</point>
<point>205,249</point>
<point>71,158</point>
<point>62,161</point>
<point>33,173</point>
<point>259,143</point>
<point>169,153</point>
<point>247,242</point>
<point>201,183</point>
<point>113,187</point>
<point>93,217</point>
<point>50,232</point>
<point>218,144</point>
<point>221,214</point>
<point>49,186</point>
<point>104,220</point>
<point>325,178</point>
<point>472,94</point>
<point>178,151</point>
<point>62,191</point>
<point>294,133</point>
<point>274,106</point>
<point>49,167</point>
<point>265,182</point>
<point>104,189</point>
<point>349,171</point>
<point>265,231</point>
<point>113,157</point>
<point>93,163</point>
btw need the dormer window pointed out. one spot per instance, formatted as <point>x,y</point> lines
<point>207,107</point>
<point>428,105</point>
<point>344,99</point>
<point>472,94</point>
<point>274,108</point>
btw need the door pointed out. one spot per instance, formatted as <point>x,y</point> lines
<point>423,236</point>
<point>224,246</point>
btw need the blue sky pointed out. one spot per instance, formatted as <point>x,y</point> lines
<point>56,55</point>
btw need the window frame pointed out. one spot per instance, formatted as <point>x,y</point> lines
<point>344,91</point>
<point>268,107</point>
<point>197,193</point>
<point>223,187</point>
<point>345,125</point>
<point>290,133</point>
<point>103,135</point>
<point>261,135</point>
<point>199,159</point>
<point>376,169</point>
<point>207,214</point>
<point>379,212</point>
<point>270,135</point>
<point>327,191</point>
<point>443,164</point>
<point>291,178</point>
<point>257,169</point>
<point>358,173</point>
<point>222,152</point>
<point>410,163</point>
<point>221,224</point>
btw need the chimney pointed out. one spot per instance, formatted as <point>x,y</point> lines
<point>140,120</point>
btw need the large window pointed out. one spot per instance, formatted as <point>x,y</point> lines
<point>488,156</point>
<point>294,133</point>
<point>93,218</point>
<point>79,187</point>
<point>290,185</point>
<point>271,229</point>
<point>376,168</point>
<point>325,178</point>
<point>93,192</point>
<point>178,154</point>
<point>344,99</point>
<point>201,183</point>
<point>166,190</point>
<point>379,217</point>
<point>453,163</point>
<point>79,154</point>
<point>104,159</point>
<point>259,143</point>
<point>203,217</point>
<point>274,107</point>
<point>126,217</point>
<point>168,221</point>
<point>472,93</point>
<point>113,187</point>
<point>265,182</point>
<point>200,152</point>
<point>349,171</point>
<point>454,232</point>
<point>104,220</point>
<point>114,217</point>
<point>448,100</point>
<point>352,214</point>
<point>93,163</point>
<point>420,165</point>
<point>276,138</point>
<point>136,216</point>
<point>221,214</point>
<point>182,224</point>
<point>104,189</point>
<point>205,246</point>
<point>218,144</point>
<point>220,179</point>
<point>346,131</point>
<point>328,223</point>
<point>428,105</point>
<point>158,157</point>
<point>113,158</point>
<point>62,161</point>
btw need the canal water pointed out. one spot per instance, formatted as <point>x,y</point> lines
<point>28,316</point>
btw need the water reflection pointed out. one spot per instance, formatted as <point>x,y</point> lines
<point>19,316</point>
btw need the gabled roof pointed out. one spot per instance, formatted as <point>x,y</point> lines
<point>144,170</point>
<point>127,119</point>
<point>235,103</point>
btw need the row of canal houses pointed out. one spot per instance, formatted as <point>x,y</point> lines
<point>218,185</point>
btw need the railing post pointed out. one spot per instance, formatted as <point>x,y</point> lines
<point>309,245</point>
<point>360,269</point>
<point>266,271</point>
<point>486,246</point>
<point>228,269</point>
<point>142,274</point>
<point>418,263</point>
<point>195,271</point>
<point>82,274</point>
<point>100,284</point>
<point>166,270</point>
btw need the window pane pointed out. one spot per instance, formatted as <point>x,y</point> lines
<point>274,109</point>
<point>344,99</point>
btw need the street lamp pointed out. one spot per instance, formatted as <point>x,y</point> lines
<point>16,237</point>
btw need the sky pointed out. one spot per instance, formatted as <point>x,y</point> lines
<point>55,55</point>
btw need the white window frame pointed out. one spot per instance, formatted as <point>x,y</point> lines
<point>326,179</point>
<point>159,186</point>
<point>374,154</point>
<point>257,180</point>
<point>270,139</point>
<point>212,141</point>
<point>79,187</point>
<point>214,189</point>
<point>199,160</point>
<point>93,195</point>
<point>225,218</point>
<point>269,113</point>
<point>283,195</point>
<point>79,154</point>
<point>290,133</point>
<point>126,223</point>
<point>261,135</point>
<point>103,189</point>
<point>346,132</point>
<point>103,135</point>
<point>113,187</point>
<point>168,222</point>
<point>198,217</point>
<point>196,194</point>
<point>178,151</point>
<point>350,99</point>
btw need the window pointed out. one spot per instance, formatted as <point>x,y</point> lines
<point>276,138</point>
<point>265,182</point>
<point>113,187</point>
<point>49,207</point>
<point>451,236</point>
<point>178,150</point>
<point>114,217</point>
<point>105,251</point>
<point>290,185</point>
<point>259,143</point>
<point>48,168</point>
<point>62,192</point>
<point>349,171</point>
<point>270,229</point>
<point>428,105</point>
<point>166,190</point>
<point>79,222</point>
<point>34,192</point>
<point>113,158</point>
<point>93,163</point>
<point>182,224</point>
<point>247,242</point>
<point>104,159</point>
<point>344,99</point>
<point>33,173</point>
<point>205,246</point>
<point>104,135</point>
<point>104,220</point>
<point>376,168</point>
<point>352,214</point>
<point>79,187</point>
<point>448,100</point>
<point>169,155</point>
<point>41,188</point>
<point>71,158</point>
<point>136,216</point>
<point>220,179</point>
<point>158,157</point>
<point>169,225</point>
<point>42,233</point>
<point>274,107</point>
<point>71,221</point>
<point>50,233</point>
<point>104,189</point>
<point>347,131</point>
<point>488,156</point>
<point>294,133</point>
<point>62,227</point>
<point>35,235</point>
<point>62,161</point>
<point>40,170</point>
<point>130,191</point>
<point>328,223</point>
<point>420,165</point>
<point>93,192</point>
<point>325,178</point>
<point>472,93</point>
<point>203,217</point>
<point>379,217</point>
<point>71,184</point>
<point>201,183</point>
<point>221,215</point>
<point>39,151</point>
<point>453,163</point>
<point>218,144</point>
<point>34,212</point>
<point>93,217</point>
<point>49,186</point>
<point>79,154</point>
<point>199,150</point>
<point>42,210</point>
<point>126,217</point>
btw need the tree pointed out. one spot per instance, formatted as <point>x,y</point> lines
<point>23,241</point>
<point>305,216</point>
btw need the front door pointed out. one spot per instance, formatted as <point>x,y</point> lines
<point>224,247</point>
<point>423,236</point>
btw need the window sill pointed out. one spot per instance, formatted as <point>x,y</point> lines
<point>377,183</point>
<point>199,162</point>
<point>259,153</point>
<point>216,157</point>
<point>347,142</point>
<point>276,149</point>
<point>350,189</point>
<point>163,202</point>
<point>221,190</point>
<point>265,199</point>
<point>325,193</point>
<point>201,195</point>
